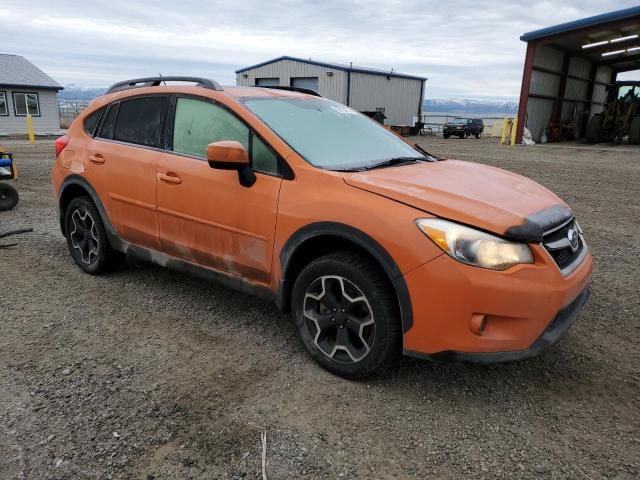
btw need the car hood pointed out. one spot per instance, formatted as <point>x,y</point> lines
<point>486,197</point>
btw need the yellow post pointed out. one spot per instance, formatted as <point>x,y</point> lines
<point>32,138</point>
<point>505,129</point>
<point>514,129</point>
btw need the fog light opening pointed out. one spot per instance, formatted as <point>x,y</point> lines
<point>478,323</point>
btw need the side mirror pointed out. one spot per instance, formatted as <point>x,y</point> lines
<point>231,155</point>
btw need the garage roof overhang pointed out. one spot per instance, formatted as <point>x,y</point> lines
<point>611,39</point>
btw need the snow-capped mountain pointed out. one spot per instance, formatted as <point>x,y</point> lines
<point>462,106</point>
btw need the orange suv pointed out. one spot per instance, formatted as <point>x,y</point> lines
<point>374,245</point>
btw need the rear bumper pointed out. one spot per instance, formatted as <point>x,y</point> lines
<point>560,324</point>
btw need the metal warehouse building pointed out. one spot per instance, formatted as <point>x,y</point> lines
<point>397,95</point>
<point>568,67</point>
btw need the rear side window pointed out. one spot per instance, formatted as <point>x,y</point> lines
<point>198,123</point>
<point>106,131</point>
<point>139,121</point>
<point>91,122</point>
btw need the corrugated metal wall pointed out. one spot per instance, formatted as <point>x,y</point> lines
<point>400,97</point>
<point>539,110</point>
<point>604,74</point>
<point>546,85</point>
<point>47,122</point>
<point>333,87</point>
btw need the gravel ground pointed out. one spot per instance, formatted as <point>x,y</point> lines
<point>150,374</point>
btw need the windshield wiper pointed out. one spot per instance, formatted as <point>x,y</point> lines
<point>394,162</point>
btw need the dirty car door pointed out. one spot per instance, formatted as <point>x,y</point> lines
<point>205,215</point>
<point>121,164</point>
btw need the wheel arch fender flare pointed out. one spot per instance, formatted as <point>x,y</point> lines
<point>69,190</point>
<point>351,235</point>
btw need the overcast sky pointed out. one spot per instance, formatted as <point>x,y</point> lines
<point>467,49</point>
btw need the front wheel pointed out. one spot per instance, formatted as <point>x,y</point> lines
<point>346,315</point>
<point>445,135</point>
<point>8,197</point>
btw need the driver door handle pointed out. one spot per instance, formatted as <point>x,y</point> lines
<point>97,158</point>
<point>170,178</point>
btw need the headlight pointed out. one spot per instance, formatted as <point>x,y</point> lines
<point>474,247</point>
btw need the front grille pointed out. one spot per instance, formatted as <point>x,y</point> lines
<point>558,244</point>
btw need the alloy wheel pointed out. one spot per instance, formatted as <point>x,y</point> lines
<point>339,319</point>
<point>84,236</point>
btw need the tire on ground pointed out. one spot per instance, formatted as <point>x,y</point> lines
<point>101,257</point>
<point>634,130</point>
<point>8,197</point>
<point>368,277</point>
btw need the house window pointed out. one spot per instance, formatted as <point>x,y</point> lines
<point>26,103</point>
<point>4,109</point>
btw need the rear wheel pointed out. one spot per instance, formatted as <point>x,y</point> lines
<point>593,129</point>
<point>87,238</point>
<point>346,315</point>
<point>8,197</point>
<point>634,130</point>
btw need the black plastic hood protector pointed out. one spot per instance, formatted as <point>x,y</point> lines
<point>534,226</point>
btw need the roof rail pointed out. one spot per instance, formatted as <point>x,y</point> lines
<point>308,91</point>
<point>156,81</point>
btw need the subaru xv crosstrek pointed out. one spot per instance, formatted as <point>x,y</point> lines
<point>376,247</point>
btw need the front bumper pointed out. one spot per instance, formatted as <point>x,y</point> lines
<point>565,318</point>
<point>462,312</point>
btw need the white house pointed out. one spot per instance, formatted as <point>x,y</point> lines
<point>25,89</point>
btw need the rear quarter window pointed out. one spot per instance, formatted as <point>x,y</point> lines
<point>106,131</point>
<point>92,121</point>
<point>140,120</point>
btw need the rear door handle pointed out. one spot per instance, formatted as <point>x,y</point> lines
<point>170,178</point>
<point>97,158</point>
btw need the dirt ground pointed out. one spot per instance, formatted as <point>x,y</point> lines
<point>151,374</point>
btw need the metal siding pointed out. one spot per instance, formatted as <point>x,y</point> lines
<point>580,67</point>
<point>47,122</point>
<point>543,83</point>
<point>604,74</point>
<point>548,58</point>
<point>539,112</point>
<point>333,87</point>
<point>400,97</point>
<point>576,89</point>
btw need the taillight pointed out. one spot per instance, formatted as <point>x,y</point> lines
<point>61,142</point>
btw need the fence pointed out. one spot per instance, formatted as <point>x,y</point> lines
<point>69,110</point>
<point>492,122</point>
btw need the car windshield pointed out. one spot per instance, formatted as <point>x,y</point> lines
<point>458,121</point>
<point>330,135</point>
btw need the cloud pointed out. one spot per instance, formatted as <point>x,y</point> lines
<point>466,48</point>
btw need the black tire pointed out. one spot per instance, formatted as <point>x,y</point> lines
<point>477,135</point>
<point>634,130</point>
<point>445,135</point>
<point>462,135</point>
<point>8,197</point>
<point>593,129</point>
<point>87,238</point>
<point>375,317</point>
